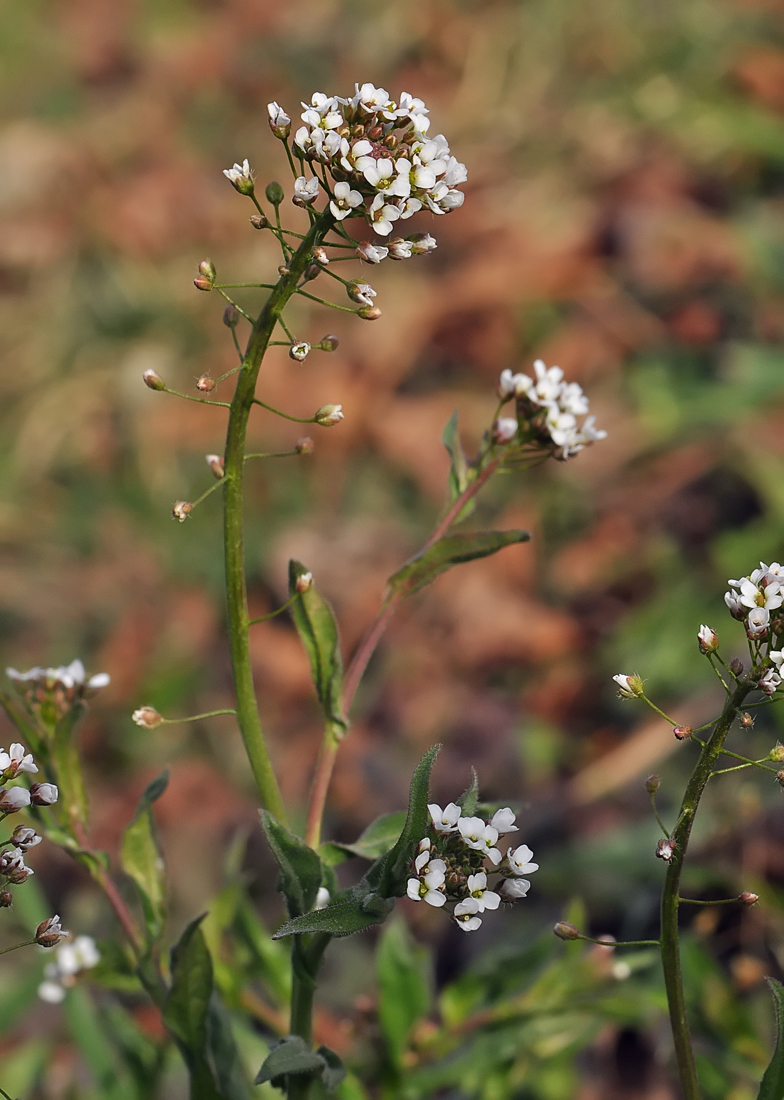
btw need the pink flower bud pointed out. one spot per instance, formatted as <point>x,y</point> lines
<point>202,283</point>
<point>748,898</point>
<point>682,732</point>
<point>652,784</point>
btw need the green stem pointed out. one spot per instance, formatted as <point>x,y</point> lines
<point>671,961</point>
<point>306,953</point>
<point>233,530</point>
<point>621,943</point>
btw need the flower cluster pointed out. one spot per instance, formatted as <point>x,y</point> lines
<point>451,864</point>
<point>71,960</point>
<point>547,411</point>
<point>57,688</point>
<point>377,150</point>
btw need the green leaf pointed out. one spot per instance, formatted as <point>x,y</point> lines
<point>334,1071</point>
<point>469,798</point>
<point>403,990</point>
<point>222,1054</point>
<point>300,867</point>
<point>185,1008</point>
<point>65,756</point>
<point>772,1087</point>
<point>318,630</point>
<point>141,859</point>
<point>358,909</point>
<point>378,838</point>
<point>291,1055</point>
<point>458,470</point>
<point>449,551</point>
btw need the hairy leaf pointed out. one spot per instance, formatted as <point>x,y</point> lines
<point>378,838</point>
<point>449,551</point>
<point>318,630</point>
<point>142,860</point>
<point>222,1054</point>
<point>469,798</point>
<point>357,909</point>
<point>300,867</point>
<point>185,1008</point>
<point>291,1055</point>
<point>404,994</point>
<point>772,1086</point>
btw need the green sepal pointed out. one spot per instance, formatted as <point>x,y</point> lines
<point>428,564</point>
<point>141,859</point>
<point>316,625</point>
<point>299,866</point>
<point>772,1086</point>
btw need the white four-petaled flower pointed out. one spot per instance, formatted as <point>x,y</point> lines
<point>15,761</point>
<point>466,914</point>
<point>446,820</point>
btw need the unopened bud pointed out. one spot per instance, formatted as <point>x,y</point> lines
<point>6,899</point>
<point>391,141</point>
<point>304,446</point>
<point>49,932</point>
<point>747,721</point>
<point>329,343</point>
<point>504,430</point>
<point>274,193</point>
<point>24,837</point>
<point>153,380</point>
<point>299,351</point>
<point>216,464</point>
<point>566,931</point>
<point>312,271</point>
<point>283,270</point>
<point>736,666</point>
<point>777,753</point>
<point>629,687</point>
<point>205,383</point>
<point>259,221</point>
<point>329,415</point>
<point>147,717</point>
<point>780,778</point>
<point>652,784</point>
<point>777,626</point>
<point>44,794</point>
<point>182,509</point>
<point>304,582</point>
<point>13,799</point>
<point>665,849</point>
<point>707,639</point>
<point>320,254</point>
<point>231,316</point>
<point>17,875</point>
<point>375,132</point>
<point>369,313</point>
<point>682,732</point>
<point>748,898</point>
<point>202,283</point>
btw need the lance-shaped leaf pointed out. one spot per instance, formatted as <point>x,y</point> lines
<point>458,468</point>
<point>469,798</point>
<point>354,911</point>
<point>378,838</point>
<point>300,867</point>
<point>318,630</point>
<point>141,859</point>
<point>772,1087</point>
<point>449,551</point>
<point>292,1055</point>
<point>65,756</point>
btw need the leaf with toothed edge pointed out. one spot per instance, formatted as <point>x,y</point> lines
<point>300,868</point>
<point>428,564</point>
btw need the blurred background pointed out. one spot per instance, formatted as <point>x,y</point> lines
<point>623,219</point>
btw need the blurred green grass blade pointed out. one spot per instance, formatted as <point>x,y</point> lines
<point>772,1086</point>
<point>403,987</point>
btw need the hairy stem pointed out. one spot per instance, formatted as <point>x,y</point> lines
<point>306,955</point>
<point>671,961</point>
<point>233,526</point>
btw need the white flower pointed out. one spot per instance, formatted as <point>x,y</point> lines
<point>371,253</point>
<point>424,845</point>
<point>503,821</point>
<point>707,639</point>
<point>519,861</point>
<point>758,622</point>
<point>50,932</point>
<point>279,121</point>
<point>777,656</point>
<point>477,888</point>
<point>52,992</point>
<point>400,249</point>
<point>240,177</point>
<point>732,600</point>
<point>299,351</point>
<point>504,430</point>
<point>629,687</point>
<point>422,243</point>
<point>15,761</point>
<point>82,954</point>
<point>371,98</point>
<point>361,293</point>
<point>760,589</point>
<point>465,914</point>
<point>382,215</point>
<point>12,859</point>
<point>430,886</point>
<point>13,799</point>
<point>322,898</point>
<point>515,887</point>
<point>477,834</point>
<point>446,820</point>
<point>24,837</point>
<point>305,190</point>
<point>43,794</point>
<point>345,200</point>
<point>768,683</point>
<point>508,382</point>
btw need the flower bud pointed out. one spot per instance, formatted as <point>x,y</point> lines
<point>652,784</point>
<point>205,383</point>
<point>746,721</point>
<point>182,509</point>
<point>400,249</point>
<point>777,626</point>
<point>6,899</point>
<point>44,794</point>
<point>299,351</point>
<point>207,269</point>
<point>665,849</point>
<point>147,717</point>
<point>372,253</point>
<point>279,121</point>
<point>748,898</point>
<point>329,343</point>
<point>504,430</point>
<point>707,639</point>
<point>153,380</point>
<point>231,316</point>
<point>566,931</point>
<point>13,799</point>
<point>312,271</point>
<point>320,254</point>
<point>216,464</point>
<point>776,753</point>
<point>304,582</point>
<point>49,932</point>
<point>780,778</point>
<point>283,270</point>
<point>369,313</point>
<point>17,875</point>
<point>274,193</point>
<point>757,623</point>
<point>329,415</point>
<point>422,243</point>
<point>24,837</point>
<point>736,666</point>
<point>375,132</point>
<point>259,221</point>
<point>304,446</point>
<point>682,732</point>
<point>202,283</point>
<point>630,687</point>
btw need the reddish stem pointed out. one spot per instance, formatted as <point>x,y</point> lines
<point>113,896</point>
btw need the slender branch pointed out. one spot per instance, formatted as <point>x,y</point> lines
<point>620,943</point>
<point>286,416</point>
<point>195,717</point>
<point>718,901</point>
<point>201,400</point>
<point>113,895</point>
<point>278,611</point>
<point>231,302</point>
<point>27,943</point>
<point>321,780</point>
<point>662,826</point>
<point>234,548</point>
<point>671,962</point>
